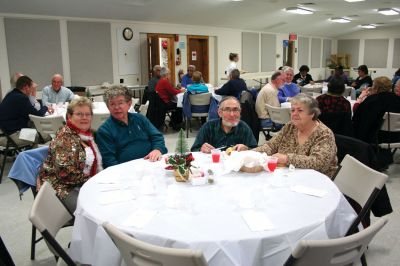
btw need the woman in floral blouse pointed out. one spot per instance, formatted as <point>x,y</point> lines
<point>73,155</point>
<point>304,142</point>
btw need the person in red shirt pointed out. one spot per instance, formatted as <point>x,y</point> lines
<point>168,94</point>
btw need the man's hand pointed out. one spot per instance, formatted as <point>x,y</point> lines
<point>153,156</point>
<point>240,147</point>
<point>50,109</point>
<point>206,148</point>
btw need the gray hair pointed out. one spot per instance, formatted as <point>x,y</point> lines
<point>310,102</point>
<point>117,90</point>
<point>276,75</point>
<point>191,67</point>
<point>287,69</point>
<point>235,74</point>
<point>156,67</point>
<point>221,103</point>
<point>81,101</point>
<point>164,71</point>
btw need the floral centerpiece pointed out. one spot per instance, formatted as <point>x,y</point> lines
<point>180,162</point>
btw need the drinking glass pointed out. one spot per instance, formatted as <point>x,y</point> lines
<point>215,155</point>
<point>272,163</point>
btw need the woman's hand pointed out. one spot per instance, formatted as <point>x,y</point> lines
<point>153,156</point>
<point>282,158</point>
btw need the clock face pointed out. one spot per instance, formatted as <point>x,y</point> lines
<point>127,33</point>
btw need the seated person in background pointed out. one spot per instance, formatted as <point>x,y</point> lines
<point>339,74</point>
<point>196,86</point>
<point>333,101</point>
<point>336,109</point>
<point>289,89</point>
<point>227,131</point>
<point>397,88</point>
<point>304,142</point>
<point>180,76</point>
<point>396,77</point>
<point>372,105</point>
<point>73,156</point>
<point>16,108</point>
<point>363,80</point>
<point>151,87</point>
<point>234,86</point>
<point>56,92</point>
<point>269,95</point>
<point>32,96</point>
<point>14,78</point>
<point>187,79</point>
<point>303,78</point>
<point>127,136</point>
<point>168,94</point>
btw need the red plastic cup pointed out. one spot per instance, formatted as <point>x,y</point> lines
<point>215,155</point>
<point>272,163</point>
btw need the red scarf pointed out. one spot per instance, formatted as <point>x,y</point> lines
<point>87,137</point>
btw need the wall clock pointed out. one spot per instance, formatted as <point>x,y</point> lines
<point>127,33</point>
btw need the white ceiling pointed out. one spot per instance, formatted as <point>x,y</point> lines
<point>251,15</point>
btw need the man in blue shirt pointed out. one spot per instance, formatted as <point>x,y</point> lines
<point>289,89</point>
<point>187,79</point>
<point>16,108</point>
<point>126,136</point>
<point>228,131</point>
<point>56,93</point>
<point>234,86</point>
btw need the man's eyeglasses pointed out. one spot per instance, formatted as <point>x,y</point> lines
<point>82,115</point>
<point>231,110</point>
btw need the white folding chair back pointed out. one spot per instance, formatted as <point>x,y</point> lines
<point>336,252</point>
<point>47,126</point>
<point>98,98</point>
<point>98,119</point>
<point>278,115</point>
<point>139,253</point>
<point>391,123</point>
<point>200,99</point>
<point>49,215</point>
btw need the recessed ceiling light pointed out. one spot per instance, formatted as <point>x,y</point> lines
<point>340,20</point>
<point>368,26</point>
<point>352,1</point>
<point>298,10</point>
<point>388,11</point>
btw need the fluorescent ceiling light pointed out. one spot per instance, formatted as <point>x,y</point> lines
<point>299,10</point>
<point>351,1</point>
<point>388,11</point>
<point>368,26</point>
<point>340,20</point>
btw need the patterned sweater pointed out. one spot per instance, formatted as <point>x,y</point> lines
<point>318,152</point>
<point>65,162</point>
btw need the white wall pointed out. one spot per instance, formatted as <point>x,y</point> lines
<point>390,33</point>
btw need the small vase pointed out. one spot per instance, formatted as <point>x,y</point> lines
<point>181,178</point>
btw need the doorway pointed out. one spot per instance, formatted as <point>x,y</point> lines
<point>197,54</point>
<point>161,49</point>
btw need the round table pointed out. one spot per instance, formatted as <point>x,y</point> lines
<point>207,217</point>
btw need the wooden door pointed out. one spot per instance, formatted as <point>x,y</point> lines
<point>197,54</point>
<point>154,54</point>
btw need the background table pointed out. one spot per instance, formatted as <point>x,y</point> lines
<point>208,217</point>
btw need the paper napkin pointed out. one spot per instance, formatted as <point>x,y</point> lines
<point>309,191</point>
<point>257,221</point>
<point>115,196</point>
<point>140,218</point>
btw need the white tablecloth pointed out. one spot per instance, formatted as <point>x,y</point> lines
<point>207,217</point>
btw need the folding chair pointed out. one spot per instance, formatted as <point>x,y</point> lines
<point>336,252</point>
<point>199,105</point>
<point>278,115</point>
<point>136,252</point>
<point>49,215</point>
<point>362,184</point>
<point>98,120</point>
<point>47,126</point>
<point>391,124</point>
<point>11,147</point>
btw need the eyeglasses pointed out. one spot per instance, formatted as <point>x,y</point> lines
<point>231,110</point>
<point>116,105</point>
<point>82,115</point>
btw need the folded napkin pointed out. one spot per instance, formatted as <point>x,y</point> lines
<point>309,191</point>
<point>140,218</point>
<point>115,196</point>
<point>28,134</point>
<point>257,221</point>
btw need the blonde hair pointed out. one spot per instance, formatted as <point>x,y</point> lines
<point>81,101</point>
<point>382,84</point>
<point>196,77</point>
